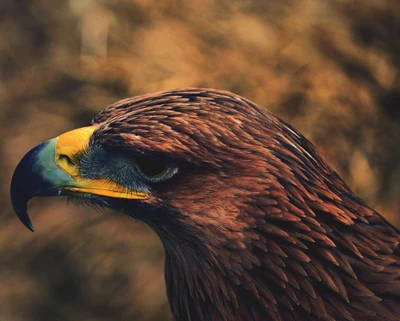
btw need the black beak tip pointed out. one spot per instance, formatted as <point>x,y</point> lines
<point>25,184</point>
<point>37,174</point>
<point>28,224</point>
<point>22,214</point>
<point>30,227</point>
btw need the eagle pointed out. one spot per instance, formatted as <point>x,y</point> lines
<point>254,223</point>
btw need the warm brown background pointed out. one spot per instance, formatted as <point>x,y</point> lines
<point>331,68</point>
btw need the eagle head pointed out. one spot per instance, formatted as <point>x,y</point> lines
<point>255,224</point>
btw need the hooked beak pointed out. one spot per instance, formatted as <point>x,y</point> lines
<point>51,169</point>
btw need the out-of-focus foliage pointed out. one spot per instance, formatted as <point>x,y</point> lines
<point>330,68</point>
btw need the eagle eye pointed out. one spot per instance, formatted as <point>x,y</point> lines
<point>155,169</point>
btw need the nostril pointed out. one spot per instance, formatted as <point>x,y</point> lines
<point>65,159</point>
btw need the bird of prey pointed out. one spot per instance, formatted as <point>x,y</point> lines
<point>255,224</point>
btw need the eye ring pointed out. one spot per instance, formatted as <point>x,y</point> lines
<point>155,169</point>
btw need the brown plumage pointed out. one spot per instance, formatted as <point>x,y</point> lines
<point>255,224</point>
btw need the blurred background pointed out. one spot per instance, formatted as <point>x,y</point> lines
<point>330,68</point>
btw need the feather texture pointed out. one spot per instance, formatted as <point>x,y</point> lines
<point>259,227</point>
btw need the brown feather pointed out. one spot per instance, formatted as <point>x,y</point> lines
<point>256,226</point>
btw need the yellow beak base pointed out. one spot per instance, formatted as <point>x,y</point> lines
<point>74,142</point>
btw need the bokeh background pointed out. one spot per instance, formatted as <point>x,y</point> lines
<point>330,68</point>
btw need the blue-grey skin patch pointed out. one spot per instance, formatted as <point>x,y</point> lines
<point>99,163</point>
